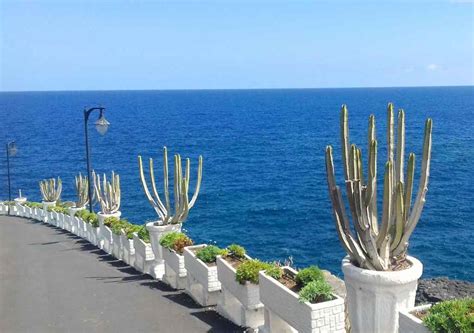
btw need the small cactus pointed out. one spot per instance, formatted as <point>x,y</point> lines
<point>107,193</point>
<point>182,205</point>
<point>375,247</point>
<point>82,190</point>
<point>50,189</point>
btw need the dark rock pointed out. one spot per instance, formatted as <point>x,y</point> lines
<point>442,288</point>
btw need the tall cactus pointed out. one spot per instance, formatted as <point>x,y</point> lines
<point>182,205</point>
<point>107,193</point>
<point>82,190</point>
<point>50,189</point>
<point>378,247</point>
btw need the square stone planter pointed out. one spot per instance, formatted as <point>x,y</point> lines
<point>285,313</point>
<point>67,222</point>
<point>156,233</point>
<point>175,272</point>
<point>106,237</point>
<point>202,282</point>
<point>3,209</point>
<point>144,256</point>
<point>29,212</point>
<point>237,302</point>
<point>117,246</point>
<point>409,323</point>
<point>91,233</point>
<point>128,249</point>
<point>46,214</point>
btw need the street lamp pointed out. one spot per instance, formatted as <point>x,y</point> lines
<point>11,151</point>
<point>101,126</point>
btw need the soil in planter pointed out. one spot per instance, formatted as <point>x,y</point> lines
<point>288,280</point>
<point>234,262</point>
<point>208,264</point>
<point>397,264</point>
<point>420,314</point>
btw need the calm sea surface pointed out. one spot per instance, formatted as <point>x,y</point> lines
<point>264,183</point>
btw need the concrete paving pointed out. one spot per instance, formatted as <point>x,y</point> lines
<point>53,281</point>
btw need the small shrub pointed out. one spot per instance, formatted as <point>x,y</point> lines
<point>132,228</point>
<point>209,253</point>
<point>307,275</point>
<point>118,226</point>
<point>81,213</point>
<point>109,221</point>
<point>248,270</point>
<point>93,219</point>
<point>236,251</point>
<point>143,234</point>
<point>316,291</point>
<point>176,241</point>
<point>451,316</point>
<point>275,272</point>
<point>33,204</point>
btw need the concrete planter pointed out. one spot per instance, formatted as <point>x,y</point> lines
<point>74,220</point>
<point>105,234</point>
<point>408,323</point>
<point>156,232</point>
<point>128,255</point>
<point>237,302</point>
<point>202,282</point>
<point>29,212</point>
<point>285,313</point>
<point>91,233</point>
<point>61,221</point>
<point>375,298</point>
<point>37,212</point>
<point>175,272</point>
<point>3,209</point>
<point>47,204</point>
<point>144,256</point>
<point>117,246</point>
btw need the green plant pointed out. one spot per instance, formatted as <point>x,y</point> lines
<point>33,204</point>
<point>132,228</point>
<point>50,190</point>
<point>236,251</point>
<point>143,234</point>
<point>81,213</point>
<point>316,291</point>
<point>119,226</point>
<point>248,270</point>
<point>209,253</point>
<point>176,241</point>
<point>451,316</point>
<point>181,189</point>
<point>107,193</point>
<point>274,271</point>
<point>111,220</point>
<point>373,247</point>
<point>308,274</point>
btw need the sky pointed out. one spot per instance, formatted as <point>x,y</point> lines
<point>113,45</point>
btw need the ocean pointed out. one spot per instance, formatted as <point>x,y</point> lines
<point>264,182</point>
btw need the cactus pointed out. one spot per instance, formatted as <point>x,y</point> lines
<point>378,247</point>
<point>107,193</point>
<point>182,205</point>
<point>50,189</point>
<point>82,190</point>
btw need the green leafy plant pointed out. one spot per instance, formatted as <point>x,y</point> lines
<point>451,316</point>
<point>131,229</point>
<point>176,241</point>
<point>316,291</point>
<point>82,213</point>
<point>248,270</point>
<point>33,204</point>
<point>306,275</point>
<point>109,221</point>
<point>274,271</point>
<point>209,253</point>
<point>117,227</point>
<point>236,251</point>
<point>143,234</point>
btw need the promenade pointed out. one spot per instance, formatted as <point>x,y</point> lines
<point>53,281</point>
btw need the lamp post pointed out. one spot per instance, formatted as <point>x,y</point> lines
<point>101,126</point>
<point>11,151</point>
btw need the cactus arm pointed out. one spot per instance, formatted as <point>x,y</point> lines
<point>145,189</point>
<point>166,183</point>
<point>345,140</point>
<point>409,185</point>
<point>422,189</point>
<point>155,191</point>
<point>371,193</point>
<point>399,214</point>
<point>387,204</point>
<point>198,184</point>
<point>390,143</point>
<point>400,147</point>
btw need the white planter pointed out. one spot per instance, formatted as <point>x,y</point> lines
<point>91,234</point>
<point>128,254</point>
<point>61,221</point>
<point>106,235</point>
<point>36,214</point>
<point>237,302</point>
<point>29,212</point>
<point>408,323</point>
<point>156,232</point>
<point>175,272</point>
<point>375,298</point>
<point>67,222</point>
<point>47,204</point>
<point>202,282</point>
<point>3,209</point>
<point>21,210</point>
<point>144,256</point>
<point>284,313</point>
<point>72,213</point>
<point>117,246</point>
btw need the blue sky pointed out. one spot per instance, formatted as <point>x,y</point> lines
<point>102,45</point>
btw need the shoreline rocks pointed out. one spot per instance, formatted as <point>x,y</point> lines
<point>442,288</point>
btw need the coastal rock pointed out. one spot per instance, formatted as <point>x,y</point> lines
<point>442,288</point>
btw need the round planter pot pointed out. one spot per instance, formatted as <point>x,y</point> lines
<point>374,298</point>
<point>47,204</point>
<point>156,232</point>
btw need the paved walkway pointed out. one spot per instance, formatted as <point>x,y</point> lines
<point>53,281</point>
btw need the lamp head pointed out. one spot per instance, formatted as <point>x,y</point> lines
<point>12,150</point>
<point>102,125</point>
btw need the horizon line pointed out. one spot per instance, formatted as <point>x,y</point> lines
<point>239,89</point>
